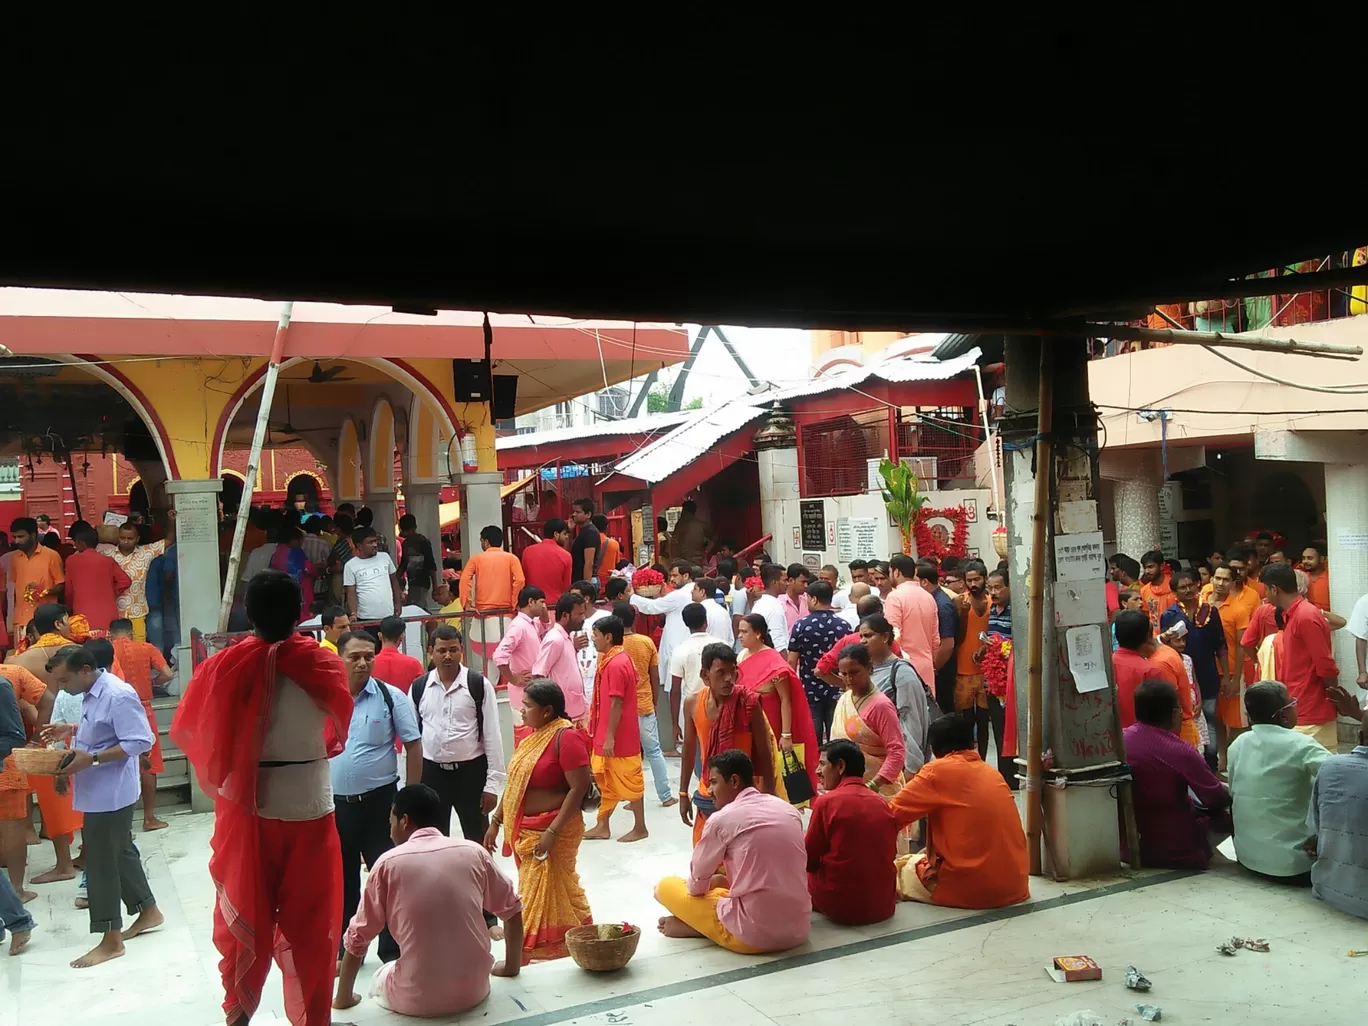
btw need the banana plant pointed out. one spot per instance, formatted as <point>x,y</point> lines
<point>900,495</point>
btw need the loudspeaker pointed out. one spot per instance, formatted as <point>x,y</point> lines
<point>470,380</point>
<point>505,396</point>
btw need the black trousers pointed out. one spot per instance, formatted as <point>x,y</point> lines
<point>823,712</point>
<point>114,870</point>
<point>363,827</point>
<point>461,790</point>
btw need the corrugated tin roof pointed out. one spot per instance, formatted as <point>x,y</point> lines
<point>665,456</point>
<point>670,453</point>
<point>604,429</point>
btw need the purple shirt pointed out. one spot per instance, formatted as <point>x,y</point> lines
<point>1173,833</point>
<point>111,714</point>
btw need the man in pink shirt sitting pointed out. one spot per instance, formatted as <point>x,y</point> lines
<point>517,653</point>
<point>760,901</point>
<point>557,660</point>
<point>430,889</point>
<point>912,612</point>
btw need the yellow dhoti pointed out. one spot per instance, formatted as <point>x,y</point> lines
<point>699,912</point>
<point>619,780</point>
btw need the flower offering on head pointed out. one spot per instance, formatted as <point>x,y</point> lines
<point>754,582</point>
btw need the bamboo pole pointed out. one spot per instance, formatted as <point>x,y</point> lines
<point>1035,631</point>
<point>253,462</point>
<point>1259,343</point>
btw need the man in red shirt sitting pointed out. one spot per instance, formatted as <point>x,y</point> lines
<point>852,841</point>
<point>392,665</point>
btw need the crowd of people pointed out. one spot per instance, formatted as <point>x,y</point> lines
<point>1230,696</point>
<point>831,738</point>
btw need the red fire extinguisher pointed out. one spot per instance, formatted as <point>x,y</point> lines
<point>470,453</point>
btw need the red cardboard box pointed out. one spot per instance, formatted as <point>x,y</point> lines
<point>1074,968</point>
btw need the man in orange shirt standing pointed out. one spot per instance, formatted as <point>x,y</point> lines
<point>139,661</point>
<point>1156,592</point>
<point>976,849</point>
<point>36,570</point>
<point>490,582</point>
<point>612,551</point>
<point>1236,601</point>
<point>1317,575</point>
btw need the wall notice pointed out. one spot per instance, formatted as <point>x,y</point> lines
<point>197,517</point>
<point>1086,652</point>
<point>845,541</point>
<point>1078,557</point>
<point>866,532</point>
<point>812,521</point>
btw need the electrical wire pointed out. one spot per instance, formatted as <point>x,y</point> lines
<point>1357,388</point>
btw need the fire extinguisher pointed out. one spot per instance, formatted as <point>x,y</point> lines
<point>470,453</point>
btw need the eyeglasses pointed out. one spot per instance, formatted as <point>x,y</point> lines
<point>1292,704</point>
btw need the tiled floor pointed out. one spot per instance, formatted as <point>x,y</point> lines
<point>927,966</point>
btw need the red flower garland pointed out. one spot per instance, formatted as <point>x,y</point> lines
<point>926,542</point>
<point>647,577</point>
<point>993,663</point>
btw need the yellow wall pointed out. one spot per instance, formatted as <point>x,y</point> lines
<point>825,341</point>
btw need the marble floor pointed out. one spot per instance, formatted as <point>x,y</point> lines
<point>927,966</point>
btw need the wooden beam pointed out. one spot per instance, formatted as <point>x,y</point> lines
<point>1035,639</point>
<point>1262,343</point>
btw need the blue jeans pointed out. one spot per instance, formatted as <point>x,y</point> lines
<point>13,916</point>
<point>650,752</point>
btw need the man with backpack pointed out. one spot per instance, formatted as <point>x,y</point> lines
<point>365,774</point>
<point>463,757</point>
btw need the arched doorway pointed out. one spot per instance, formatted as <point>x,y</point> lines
<point>1283,501</point>
<point>302,488</point>
<point>231,496</point>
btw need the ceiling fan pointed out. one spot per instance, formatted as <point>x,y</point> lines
<point>319,376</point>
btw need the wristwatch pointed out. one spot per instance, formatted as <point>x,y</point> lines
<point>94,759</point>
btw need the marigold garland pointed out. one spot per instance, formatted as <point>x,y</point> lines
<point>993,663</point>
<point>927,545</point>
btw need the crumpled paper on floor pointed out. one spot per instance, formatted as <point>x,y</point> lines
<point>1087,1017</point>
<point>1136,980</point>
<point>1150,1013</point>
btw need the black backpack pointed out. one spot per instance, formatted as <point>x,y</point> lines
<point>474,681</point>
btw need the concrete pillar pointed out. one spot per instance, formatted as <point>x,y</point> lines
<point>424,502</point>
<point>1136,478</point>
<point>382,505</point>
<point>1081,836</point>
<point>197,567</point>
<point>778,472</point>
<point>1346,497</point>
<point>480,507</point>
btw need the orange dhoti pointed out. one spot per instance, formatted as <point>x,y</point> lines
<point>59,818</point>
<point>619,780</point>
<point>154,756</point>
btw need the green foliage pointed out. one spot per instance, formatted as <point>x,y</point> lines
<point>658,400</point>
<point>898,484</point>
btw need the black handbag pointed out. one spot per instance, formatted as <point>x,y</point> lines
<point>796,781</point>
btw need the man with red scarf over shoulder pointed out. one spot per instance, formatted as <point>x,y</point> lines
<point>259,722</point>
<point>1156,589</point>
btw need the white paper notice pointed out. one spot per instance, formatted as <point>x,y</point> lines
<point>1078,557</point>
<point>1086,653</point>
<point>1355,541</point>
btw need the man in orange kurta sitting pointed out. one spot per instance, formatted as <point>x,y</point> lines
<point>975,853</point>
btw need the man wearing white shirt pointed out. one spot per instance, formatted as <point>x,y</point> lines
<point>463,757</point>
<point>1358,627</point>
<point>840,597</point>
<point>585,653</point>
<point>669,606</point>
<point>769,606</point>
<point>683,675</point>
<point>719,621</point>
<point>851,613</point>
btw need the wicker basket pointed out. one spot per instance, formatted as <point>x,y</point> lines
<point>649,590</point>
<point>42,762</point>
<point>604,947</point>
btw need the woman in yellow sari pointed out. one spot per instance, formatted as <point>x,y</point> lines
<point>548,778</point>
<point>865,715</point>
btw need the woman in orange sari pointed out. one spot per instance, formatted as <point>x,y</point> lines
<point>765,673</point>
<point>548,778</point>
<point>867,716</point>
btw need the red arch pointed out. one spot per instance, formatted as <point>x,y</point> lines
<point>150,411</point>
<point>249,382</point>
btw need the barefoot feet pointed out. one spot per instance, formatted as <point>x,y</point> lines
<point>148,919</point>
<point>672,926</point>
<point>153,824</point>
<point>55,875</point>
<point>599,831</point>
<point>109,948</point>
<point>635,834</point>
<point>19,941</point>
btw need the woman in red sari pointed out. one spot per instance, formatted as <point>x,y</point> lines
<point>764,672</point>
<point>258,723</point>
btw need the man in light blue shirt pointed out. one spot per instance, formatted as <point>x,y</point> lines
<point>1272,771</point>
<point>1339,842</point>
<point>365,774</point>
<point>111,736</point>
